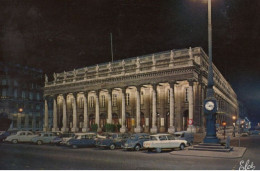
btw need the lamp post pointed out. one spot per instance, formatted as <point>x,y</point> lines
<point>210,103</point>
<point>224,124</point>
<point>234,125</point>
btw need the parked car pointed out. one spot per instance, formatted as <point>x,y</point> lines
<point>63,138</point>
<point>184,135</point>
<point>21,136</point>
<point>44,138</point>
<point>136,141</point>
<point>112,140</point>
<point>3,135</point>
<point>254,132</point>
<point>164,141</point>
<point>82,140</point>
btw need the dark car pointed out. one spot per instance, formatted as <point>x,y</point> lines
<point>82,140</point>
<point>3,135</point>
<point>112,140</point>
<point>184,135</point>
<point>135,142</point>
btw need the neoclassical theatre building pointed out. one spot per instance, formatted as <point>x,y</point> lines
<point>153,93</point>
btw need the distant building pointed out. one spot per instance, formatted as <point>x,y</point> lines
<point>160,92</point>
<point>21,96</point>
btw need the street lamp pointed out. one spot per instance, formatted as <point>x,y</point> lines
<point>210,103</point>
<point>234,125</point>
<point>224,124</point>
<point>20,110</point>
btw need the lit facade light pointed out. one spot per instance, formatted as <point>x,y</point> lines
<point>20,110</point>
<point>234,117</point>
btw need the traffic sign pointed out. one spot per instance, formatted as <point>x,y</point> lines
<point>190,121</point>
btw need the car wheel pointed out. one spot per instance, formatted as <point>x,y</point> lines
<point>137,147</point>
<point>158,150</point>
<point>39,142</point>
<point>182,146</point>
<point>74,146</point>
<point>14,141</point>
<point>112,147</point>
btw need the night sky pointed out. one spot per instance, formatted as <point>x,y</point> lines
<point>58,35</point>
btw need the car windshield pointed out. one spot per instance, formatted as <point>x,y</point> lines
<point>177,135</point>
<point>153,138</point>
<point>132,137</point>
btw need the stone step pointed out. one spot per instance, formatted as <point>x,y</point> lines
<point>209,144</point>
<point>211,149</point>
<point>214,147</point>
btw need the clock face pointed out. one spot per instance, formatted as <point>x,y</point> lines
<point>209,105</point>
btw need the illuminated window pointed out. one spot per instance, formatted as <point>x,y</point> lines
<point>91,102</point>
<point>114,100</point>
<point>23,94</point>
<point>127,99</point>
<point>103,99</point>
<point>81,102</point>
<point>38,96</point>
<point>142,98</point>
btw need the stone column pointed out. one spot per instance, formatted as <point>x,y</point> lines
<point>191,128</point>
<point>74,106</point>
<point>85,125</point>
<point>97,111</point>
<point>64,115</point>
<point>109,106</point>
<point>154,128</point>
<point>55,119</point>
<point>46,116</point>
<point>26,123</point>
<point>138,110</point>
<point>172,128</point>
<point>123,128</point>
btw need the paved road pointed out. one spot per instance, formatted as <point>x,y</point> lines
<point>28,156</point>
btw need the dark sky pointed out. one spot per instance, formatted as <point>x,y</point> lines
<point>58,35</point>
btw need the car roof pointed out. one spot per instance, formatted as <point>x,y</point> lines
<point>160,134</point>
<point>86,133</point>
<point>180,132</point>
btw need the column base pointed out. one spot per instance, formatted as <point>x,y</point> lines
<point>154,130</point>
<point>44,129</point>
<point>99,130</point>
<point>64,129</point>
<point>171,130</point>
<point>162,129</point>
<point>191,128</point>
<point>54,129</point>
<point>123,129</point>
<point>138,129</point>
<point>210,139</point>
<point>74,129</point>
<point>85,129</point>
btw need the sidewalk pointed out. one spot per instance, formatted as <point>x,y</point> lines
<point>237,152</point>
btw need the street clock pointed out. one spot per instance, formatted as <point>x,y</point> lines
<point>210,106</point>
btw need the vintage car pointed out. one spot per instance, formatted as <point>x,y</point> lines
<point>21,136</point>
<point>164,141</point>
<point>112,140</point>
<point>63,138</point>
<point>44,138</point>
<point>3,135</point>
<point>82,140</point>
<point>135,142</point>
<point>184,135</point>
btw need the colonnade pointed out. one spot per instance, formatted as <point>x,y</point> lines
<point>138,127</point>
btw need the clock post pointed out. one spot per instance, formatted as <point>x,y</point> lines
<point>210,103</point>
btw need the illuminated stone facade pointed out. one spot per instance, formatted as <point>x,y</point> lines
<point>21,88</point>
<point>151,93</point>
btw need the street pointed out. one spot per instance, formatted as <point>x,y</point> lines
<point>28,156</point>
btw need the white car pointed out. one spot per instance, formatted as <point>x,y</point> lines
<point>21,136</point>
<point>164,141</point>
